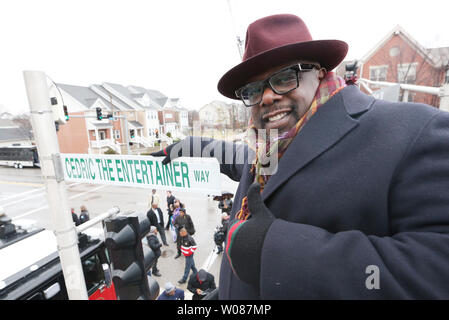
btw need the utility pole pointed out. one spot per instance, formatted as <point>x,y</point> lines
<point>51,168</point>
<point>125,119</point>
<point>239,41</point>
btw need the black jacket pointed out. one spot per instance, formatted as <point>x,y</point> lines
<point>75,219</point>
<point>170,201</point>
<point>84,216</point>
<point>207,285</point>
<point>186,222</point>
<point>154,244</point>
<point>153,219</point>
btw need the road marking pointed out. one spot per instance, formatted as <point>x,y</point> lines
<point>29,184</point>
<point>22,194</point>
<point>46,206</point>
<point>210,260</point>
<point>27,192</point>
<point>23,199</point>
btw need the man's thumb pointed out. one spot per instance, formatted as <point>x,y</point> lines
<point>255,202</point>
<point>160,153</point>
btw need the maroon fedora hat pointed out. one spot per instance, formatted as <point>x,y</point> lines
<point>276,40</point>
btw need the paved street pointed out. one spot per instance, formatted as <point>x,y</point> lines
<point>22,194</point>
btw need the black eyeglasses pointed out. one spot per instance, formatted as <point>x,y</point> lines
<point>281,82</point>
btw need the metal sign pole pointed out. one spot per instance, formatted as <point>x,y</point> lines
<point>48,148</point>
<point>126,134</point>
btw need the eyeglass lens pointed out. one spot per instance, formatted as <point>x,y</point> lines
<point>281,83</point>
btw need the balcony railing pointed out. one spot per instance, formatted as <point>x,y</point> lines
<point>105,143</point>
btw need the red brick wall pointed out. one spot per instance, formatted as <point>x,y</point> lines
<point>72,136</point>
<point>426,75</point>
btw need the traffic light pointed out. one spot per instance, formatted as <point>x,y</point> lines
<point>99,114</point>
<point>66,113</point>
<point>130,260</point>
<point>58,111</point>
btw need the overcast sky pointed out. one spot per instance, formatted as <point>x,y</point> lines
<point>179,47</point>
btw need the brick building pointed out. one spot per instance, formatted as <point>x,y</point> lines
<point>83,133</point>
<point>399,58</point>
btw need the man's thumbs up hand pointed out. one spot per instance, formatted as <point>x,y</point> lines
<point>245,239</point>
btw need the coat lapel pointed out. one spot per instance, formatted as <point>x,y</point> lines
<point>327,126</point>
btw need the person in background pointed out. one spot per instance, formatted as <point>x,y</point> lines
<point>75,218</point>
<point>84,214</point>
<point>155,246</point>
<point>188,247</point>
<point>156,218</point>
<point>183,220</point>
<point>171,293</point>
<point>220,234</point>
<point>177,205</point>
<point>170,207</point>
<point>201,284</point>
<point>153,198</point>
<point>226,204</point>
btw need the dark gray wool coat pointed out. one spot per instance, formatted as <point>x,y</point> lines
<point>364,183</point>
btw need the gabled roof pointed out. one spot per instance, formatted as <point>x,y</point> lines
<point>84,95</point>
<point>123,94</point>
<point>157,99</point>
<point>109,97</point>
<point>135,124</point>
<point>398,30</point>
<point>13,134</point>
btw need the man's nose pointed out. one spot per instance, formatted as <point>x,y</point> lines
<point>269,97</point>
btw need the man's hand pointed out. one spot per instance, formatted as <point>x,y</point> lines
<point>199,291</point>
<point>245,239</point>
<point>167,153</point>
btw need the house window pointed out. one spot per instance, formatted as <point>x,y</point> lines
<point>102,135</point>
<point>117,134</point>
<point>446,79</point>
<point>93,134</point>
<point>378,73</point>
<point>407,73</point>
<point>410,96</point>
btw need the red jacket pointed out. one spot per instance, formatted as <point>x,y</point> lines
<point>188,245</point>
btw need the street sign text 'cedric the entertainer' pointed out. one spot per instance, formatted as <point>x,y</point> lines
<point>187,174</point>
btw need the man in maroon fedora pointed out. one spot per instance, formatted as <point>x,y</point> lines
<point>357,206</point>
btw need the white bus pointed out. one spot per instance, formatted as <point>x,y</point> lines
<point>19,156</point>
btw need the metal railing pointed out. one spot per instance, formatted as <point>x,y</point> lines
<point>442,92</point>
<point>86,225</point>
<point>105,143</point>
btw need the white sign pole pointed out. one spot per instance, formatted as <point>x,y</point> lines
<point>48,149</point>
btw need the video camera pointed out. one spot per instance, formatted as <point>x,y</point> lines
<point>351,73</point>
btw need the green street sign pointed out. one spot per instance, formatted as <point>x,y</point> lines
<point>187,174</point>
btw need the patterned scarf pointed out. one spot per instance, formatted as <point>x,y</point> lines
<point>328,87</point>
